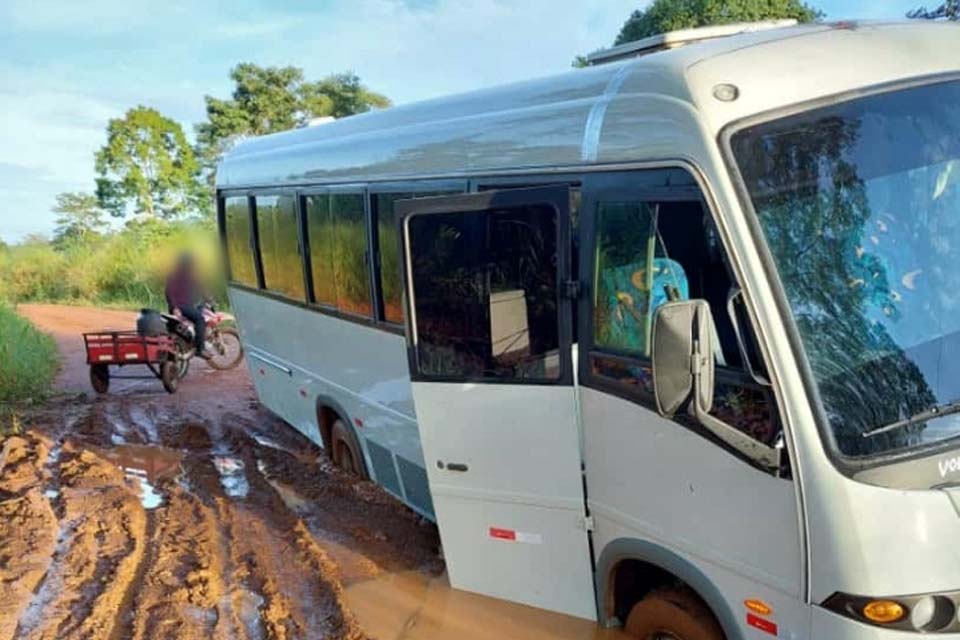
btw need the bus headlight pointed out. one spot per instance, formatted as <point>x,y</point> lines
<point>925,613</point>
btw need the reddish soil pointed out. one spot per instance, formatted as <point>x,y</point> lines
<point>199,515</point>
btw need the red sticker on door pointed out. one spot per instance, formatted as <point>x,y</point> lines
<point>515,536</point>
<point>764,625</point>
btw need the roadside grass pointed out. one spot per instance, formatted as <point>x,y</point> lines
<point>28,363</point>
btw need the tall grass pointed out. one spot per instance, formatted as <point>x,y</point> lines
<point>28,360</point>
<point>126,268</point>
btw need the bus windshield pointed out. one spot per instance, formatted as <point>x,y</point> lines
<point>860,205</point>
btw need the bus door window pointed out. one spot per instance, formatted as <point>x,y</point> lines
<point>486,294</point>
<point>647,253</point>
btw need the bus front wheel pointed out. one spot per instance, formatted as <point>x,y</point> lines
<point>674,614</point>
<point>346,454</point>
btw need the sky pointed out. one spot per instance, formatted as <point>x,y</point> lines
<point>67,67</point>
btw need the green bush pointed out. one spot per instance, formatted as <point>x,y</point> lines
<point>28,359</point>
<point>123,269</point>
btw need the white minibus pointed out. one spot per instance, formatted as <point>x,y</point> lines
<point>663,343</point>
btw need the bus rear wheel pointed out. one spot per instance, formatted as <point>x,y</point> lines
<point>672,614</point>
<point>345,453</point>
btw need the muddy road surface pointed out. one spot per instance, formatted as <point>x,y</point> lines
<point>140,515</point>
<point>200,515</point>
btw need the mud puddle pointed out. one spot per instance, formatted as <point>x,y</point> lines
<point>413,606</point>
<point>144,466</point>
<point>233,479</point>
<point>143,516</point>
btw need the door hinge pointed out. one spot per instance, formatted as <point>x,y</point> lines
<point>586,523</point>
<point>571,289</point>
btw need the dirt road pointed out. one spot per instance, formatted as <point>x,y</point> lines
<point>142,515</point>
<point>199,515</point>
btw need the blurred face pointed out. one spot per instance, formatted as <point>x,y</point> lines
<point>185,264</point>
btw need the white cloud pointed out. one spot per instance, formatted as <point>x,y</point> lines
<point>412,53</point>
<point>47,141</point>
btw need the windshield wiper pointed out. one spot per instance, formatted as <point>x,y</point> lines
<point>939,411</point>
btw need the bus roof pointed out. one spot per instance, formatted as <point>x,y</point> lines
<point>599,114</point>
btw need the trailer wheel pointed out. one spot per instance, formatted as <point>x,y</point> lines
<point>170,374</point>
<point>100,377</point>
<point>344,450</point>
<point>183,351</point>
<point>672,614</point>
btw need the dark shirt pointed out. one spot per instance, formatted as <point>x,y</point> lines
<point>181,290</point>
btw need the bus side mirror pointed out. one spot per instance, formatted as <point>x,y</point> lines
<point>683,374</point>
<point>683,365</point>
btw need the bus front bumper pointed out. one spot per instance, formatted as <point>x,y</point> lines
<point>829,625</point>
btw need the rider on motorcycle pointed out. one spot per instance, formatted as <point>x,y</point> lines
<point>183,293</point>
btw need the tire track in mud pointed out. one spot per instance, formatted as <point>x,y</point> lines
<point>296,596</point>
<point>253,537</point>
<point>28,527</point>
<point>99,547</point>
<point>179,592</point>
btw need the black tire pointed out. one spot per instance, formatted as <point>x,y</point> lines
<point>344,450</point>
<point>227,350</point>
<point>183,352</point>
<point>677,614</point>
<point>100,378</point>
<point>170,374</point>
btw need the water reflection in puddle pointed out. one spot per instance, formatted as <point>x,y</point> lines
<point>416,607</point>
<point>145,466</point>
<point>232,478</point>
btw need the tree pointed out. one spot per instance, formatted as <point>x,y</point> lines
<point>148,166</point>
<point>949,10</point>
<point>670,15</point>
<point>79,218</point>
<point>270,99</point>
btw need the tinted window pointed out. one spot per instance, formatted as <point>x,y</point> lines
<point>627,272</point>
<point>336,225</point>
<point>388,243</point>
<point>322,242</point>
<point>391,279</point>
<point>279,245</point>
<point>485,285</point>
<point>239,245</point>
<point>646,254</point>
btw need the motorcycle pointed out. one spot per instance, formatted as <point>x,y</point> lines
<point>222,342</point>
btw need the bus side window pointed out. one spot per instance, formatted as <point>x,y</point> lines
<point>386,222</point>
<point>239,241</point>
<point>646,254</point>
<point>337,235</point>
<point>279,245</point>
<point>388,239</point>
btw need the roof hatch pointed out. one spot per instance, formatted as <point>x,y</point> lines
<point>673,39</point>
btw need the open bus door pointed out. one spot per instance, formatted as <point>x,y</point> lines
<point>489,342</point>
